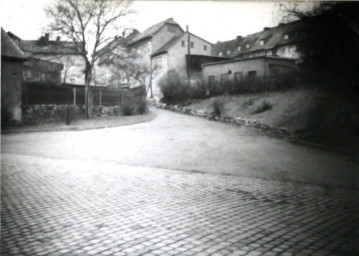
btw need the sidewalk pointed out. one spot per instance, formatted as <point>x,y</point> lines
<point>84,124</point>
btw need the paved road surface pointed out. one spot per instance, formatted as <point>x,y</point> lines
<point>181,142</point>
<point>95,193</point>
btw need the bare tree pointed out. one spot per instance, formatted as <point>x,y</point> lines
<point>88,24</point>
<point>127,66</point>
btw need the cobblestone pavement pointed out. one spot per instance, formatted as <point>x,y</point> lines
<point>72,207</point>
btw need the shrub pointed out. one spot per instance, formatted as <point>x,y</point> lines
<point>127,109</point>
<point>142,106</point>
<point>247,103</point>
<point>218,107</point>
<point>6,117</point>
<point>69,111</point>
<point>173,88</point>
<point>262,107</point>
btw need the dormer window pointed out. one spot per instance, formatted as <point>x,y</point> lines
<point>228,52</point>
<point>220,54</point>
<point>286,37</point>
<point>261,42</point>
<point>247,46</point>
<point>239,48</point>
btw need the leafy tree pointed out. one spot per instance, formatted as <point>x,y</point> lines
<point>89,24</point>
<point>329,44</point>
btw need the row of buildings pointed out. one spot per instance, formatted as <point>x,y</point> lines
<point>165,47</point>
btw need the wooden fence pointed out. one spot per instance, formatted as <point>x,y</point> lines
<point>68,94</point>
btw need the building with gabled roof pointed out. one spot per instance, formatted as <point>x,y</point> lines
<point>268,53</point>
<point>277,41</point>
<point>169,24</point>
<point>173,57</point>
<point>57,51</point>
<point>164,47</point>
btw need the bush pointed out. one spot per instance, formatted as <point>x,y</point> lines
<point>173,88</point>
<point>127,109</point>
<point>262,107</point>
<point>69,112</point>
<point>142,106</point>
<point>218,107</point>
<point>248,103</point>
<point>6,117</point>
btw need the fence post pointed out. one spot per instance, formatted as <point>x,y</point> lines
<point>100,97</point>
<point>74,93</point>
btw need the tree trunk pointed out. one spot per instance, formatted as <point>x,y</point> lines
<point>88,77</point>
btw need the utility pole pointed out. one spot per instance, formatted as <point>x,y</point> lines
<point>188,56</point>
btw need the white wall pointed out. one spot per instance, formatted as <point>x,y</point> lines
<point>177,53</point>
<point>260,65</point>
<point>161,64</point>
<point>164,35</point>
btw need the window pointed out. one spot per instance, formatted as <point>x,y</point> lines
<point>220,54</point>
<point>211,80</point>
<point>228,52</point>
<point>192,44</point>
<point>183,43</point>
<point>239,48</point>
<point>224,78</point>
<point>286,37</point>
<point>247,46</point>
<point>205,47</point>
<point>252,74</point>
<point>261,42</point>
<point>238,76</point>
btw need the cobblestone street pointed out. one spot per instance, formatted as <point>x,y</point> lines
<point>73,207</point>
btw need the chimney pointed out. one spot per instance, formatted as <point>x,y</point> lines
<point>239,37</point>
<point>58,39</point>
<point>47,36</point>
<point>266,28</point>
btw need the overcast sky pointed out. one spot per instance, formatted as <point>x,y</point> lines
<point>211,20</point>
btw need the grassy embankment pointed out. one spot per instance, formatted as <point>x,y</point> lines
<point>308,114</point>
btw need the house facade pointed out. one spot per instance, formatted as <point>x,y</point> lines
<point>268,53</point>
<point>279,41</point>
<point>173,57</point>
<point>246,68</point>
<point>161,49</point>
<point>12,59</point>
<point>55,51</point>
<point>42,72</point>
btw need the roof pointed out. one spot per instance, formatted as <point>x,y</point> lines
<point>251,58</point>
<point>51,47</point>
<point>148,33</point>
<point>9,48</point>
<point>119,41</point>
<point>170,43</point>
<point>272,37</point>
